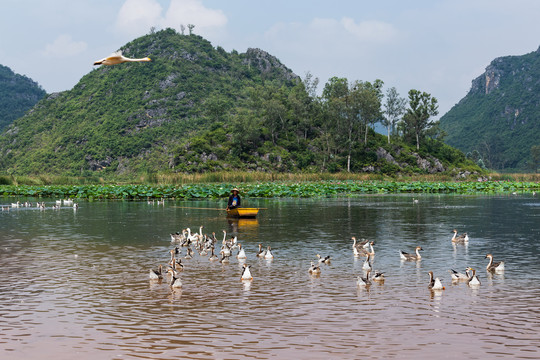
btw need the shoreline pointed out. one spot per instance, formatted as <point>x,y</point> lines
<point>274,189</point>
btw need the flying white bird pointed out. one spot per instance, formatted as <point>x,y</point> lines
<point>118,58</point>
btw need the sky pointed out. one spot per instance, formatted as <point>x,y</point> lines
<point>436,46</point>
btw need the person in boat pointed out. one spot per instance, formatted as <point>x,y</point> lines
<point>234,199</point>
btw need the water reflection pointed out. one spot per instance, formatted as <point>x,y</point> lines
<point>81,278</point>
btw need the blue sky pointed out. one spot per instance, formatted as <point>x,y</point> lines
<point>437,46</point>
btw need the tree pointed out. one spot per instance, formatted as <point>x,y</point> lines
<point>422,106</point>
<point>367,103</point>
<point>190,28</point>
<point>182,28</point>
<point>394,108</point>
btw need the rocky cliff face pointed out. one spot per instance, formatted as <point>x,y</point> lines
<point>500,116</point>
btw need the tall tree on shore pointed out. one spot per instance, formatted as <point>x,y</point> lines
<point>422,106</point>
<point>367,103</point>
<point>394,108</point>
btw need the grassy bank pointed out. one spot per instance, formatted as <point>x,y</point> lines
<point>245,177</point>
<point>268,189</point>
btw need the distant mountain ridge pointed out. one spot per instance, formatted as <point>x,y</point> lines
<point>499,119</point>
<point>18,94</point>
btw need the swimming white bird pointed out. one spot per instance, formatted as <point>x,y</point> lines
<point>241,253</point>
<point>213,257</point>
<point>491,266</point>
<point>117,58</point>
<point>156,274</point>
<point>473,278</point>
<point>378,277</point>
<point>411,257</point>
<point>246,273</point>
<point>175,281</point>
<point>325,260</point>
<point>463,238</point>
<point>15,205</point>
<point>363,281</point>
<point>189,254</point>
<point>362,244</point>
<point>226,250</point>
<point>367,264</point>
<point>367,250</point>
<point>224,258</point>
<point>434,284</point>
<point>268,255</point>
<point>314,270</point>
<point>457,276</point>
<point>261,252</point>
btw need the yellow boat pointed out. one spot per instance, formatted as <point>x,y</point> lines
<point>243,212</point>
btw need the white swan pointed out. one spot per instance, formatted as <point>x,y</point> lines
<point>117,58</point>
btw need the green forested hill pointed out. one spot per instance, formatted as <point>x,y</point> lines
<point>197,108</point>
<point>17,95</point>
<point>500,116</point>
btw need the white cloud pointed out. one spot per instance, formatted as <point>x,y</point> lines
<point>193,12</point>
<point>64,45</point>
<point>137,16</point>
<point>369,31</point>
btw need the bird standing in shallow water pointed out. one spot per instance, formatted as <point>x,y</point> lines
<point>117,58</point>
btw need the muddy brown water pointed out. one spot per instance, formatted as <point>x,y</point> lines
<point>74,284</point>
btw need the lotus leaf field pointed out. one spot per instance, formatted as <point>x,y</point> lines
<point>264,190</point>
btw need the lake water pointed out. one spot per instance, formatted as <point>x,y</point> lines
<point>74,284</point>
